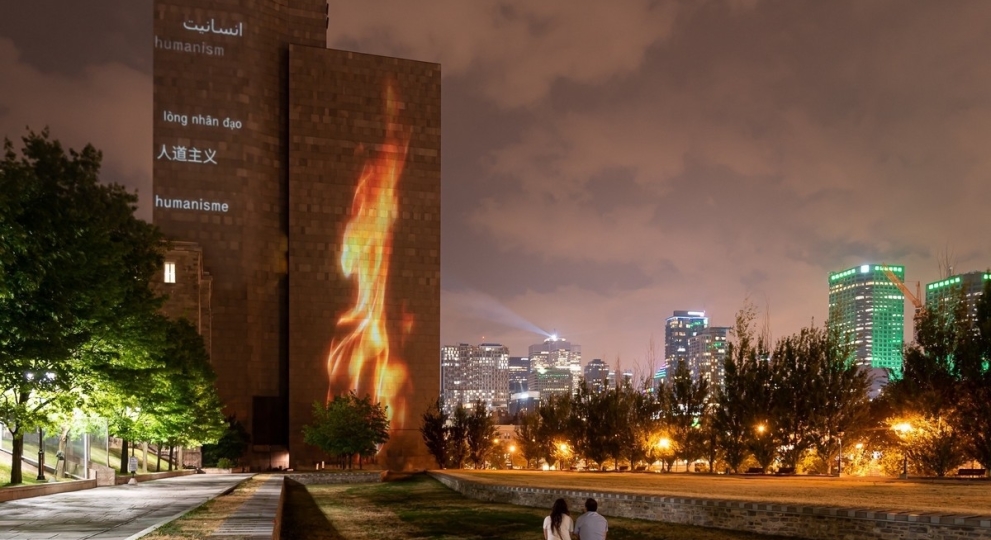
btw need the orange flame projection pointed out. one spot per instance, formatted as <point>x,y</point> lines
<point>361,360</point>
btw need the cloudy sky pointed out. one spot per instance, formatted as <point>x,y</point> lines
<point>606,163</point>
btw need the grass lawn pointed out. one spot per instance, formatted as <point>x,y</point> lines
<point>29,478</point>
<point>420,507</point>
<point>969,497</point>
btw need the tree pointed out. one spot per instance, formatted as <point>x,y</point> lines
<point>348,426</point>
<point>75,264</point>
<point>686,401</point>
<point>457,437</point>
<point>526,437</point>
<point>552,431</point>
<point>434,432</point>
<point>735,418</point>
<point>974,366</point>
<point>231,445</point>
<point>480,434</point>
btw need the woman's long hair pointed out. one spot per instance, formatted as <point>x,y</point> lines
<point>559,509</point>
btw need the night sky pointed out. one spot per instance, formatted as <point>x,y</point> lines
<point>606,163</point>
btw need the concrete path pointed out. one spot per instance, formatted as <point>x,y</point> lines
<point>255,519</point>
<point>110,513</point>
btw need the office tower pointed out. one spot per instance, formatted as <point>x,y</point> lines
<point>706,354</point>
<point>869,310</point>
<point>475,372</point>
<point>519,372</point>
<point>597,375</point>
<point>967,287</point>
<point>678,328</point>
<point>555,366</point>
<point>310,180</point>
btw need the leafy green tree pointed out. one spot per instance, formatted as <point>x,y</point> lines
<point>230,446</point>
<point>555,413</point>
<point>457,436</point>
<point>686,401</point>
<point>434,432</point>
<point>348,426</point>
<point>526,437</point>
<point>738,412</point>
<point>974,367</point>
<point>480,434</point>
<point>75,265</point>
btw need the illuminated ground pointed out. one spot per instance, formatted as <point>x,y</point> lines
<point>969,497</point>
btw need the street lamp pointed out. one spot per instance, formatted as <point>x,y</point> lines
<point>839,459</point>
<point>903,428</point>
<point>41,455</point>
<point>512,450</point>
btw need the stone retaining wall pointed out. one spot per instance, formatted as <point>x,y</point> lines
<point>24,492</point>
<point>124,478</point>
<point>811,522</point>
<point>345,477</point>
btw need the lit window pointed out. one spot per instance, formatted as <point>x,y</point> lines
<point>170,272</point>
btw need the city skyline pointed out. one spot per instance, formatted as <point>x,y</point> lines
<point>713,152</point>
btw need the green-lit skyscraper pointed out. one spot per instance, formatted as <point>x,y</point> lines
<point>868,308</point>
<point>966,287</point>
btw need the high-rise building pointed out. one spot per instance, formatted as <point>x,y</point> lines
<point>519,373</point>
<point>967,287</point>
<point>706,354</point>
<point>597,375</point>
<point>555,366</point>
<point>678,328</point>
<point>309,178</point>
<point>475,372</point>
<point>869,310</point>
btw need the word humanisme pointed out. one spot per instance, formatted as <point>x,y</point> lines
<point>191,204</point>
<point>184,46</point>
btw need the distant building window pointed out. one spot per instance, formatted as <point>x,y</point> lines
<point>170,272</point>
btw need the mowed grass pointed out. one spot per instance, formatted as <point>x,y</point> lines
<point>420,507</point>
<point>952,496</point>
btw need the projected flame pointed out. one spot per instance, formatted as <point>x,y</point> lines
<point>360,359</point>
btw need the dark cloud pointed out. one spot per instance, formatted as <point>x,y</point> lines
<point>608,163</point>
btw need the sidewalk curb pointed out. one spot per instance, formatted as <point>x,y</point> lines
<point>164,521</point>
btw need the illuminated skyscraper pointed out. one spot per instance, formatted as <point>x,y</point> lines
<point>969,287</point>
<point>555,366</point>
<point>706,353</point>
<point>869,310</point>
<point>677,330</point>
<point>470,373</point>
<point>597,375</point>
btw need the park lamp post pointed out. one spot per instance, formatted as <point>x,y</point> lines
<point>512,450</point>
<point>663,445</point>
<point>47,379</point>
<point>839,459</point>
<point>903,429</point>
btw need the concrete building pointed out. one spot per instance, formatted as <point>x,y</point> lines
<point>706,354</point>
<point>310,180</point>
<point>870,311</point>
<point>678,329</point>
<point>475,372</point>
<point>519,373</point>
<point>597,375</point>
<point>555,366</point>
<point>967,287</point>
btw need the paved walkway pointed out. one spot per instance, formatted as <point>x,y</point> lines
<point>110,513</point>
<point>255,519</point>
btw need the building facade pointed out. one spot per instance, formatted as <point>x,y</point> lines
<point>968,288</point>
<point>869,310</point>
<point>678,329</point>
<point>555,366</point>
<point>310,178</point>
<point>597,375</point>
<point>707,354</point>
<point>475,372</point>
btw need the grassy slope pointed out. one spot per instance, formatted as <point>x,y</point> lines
<point>420,507</point>
<point>958,497</point>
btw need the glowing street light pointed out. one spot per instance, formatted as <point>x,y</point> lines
<point>761,428</point>
<point>903,429</point>
<point>664,443</point>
